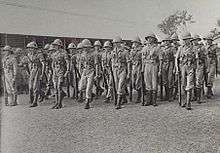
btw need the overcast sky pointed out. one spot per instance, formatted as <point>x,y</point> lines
<point>101,18</point>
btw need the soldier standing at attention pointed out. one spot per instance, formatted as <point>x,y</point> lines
<point>106,63</point>
<point>212,61</point>
<point>10,74</point>
<point>136,66</point>
<point>150,57</point>
<point>120,69</point>
<point>200,68</point>
<point>37,67</point>
<point>88,74</point>
<point>167,64</point>
<point>98,52</point>
<point>61,69</point>
<point>187,64</point>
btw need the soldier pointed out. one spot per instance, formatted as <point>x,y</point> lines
<point>61,69</point>
<point>98,52</point>
<point>200,68</point>
<point>80,65</point>
<point>74,73</point>
<point>136,66</point>
<point>150,57</point>
<point>187,63</point>
<point>10,74</point>
<point>36,68</point>
<point>106,63</point>
<point>87,78</point>
<point>167,64</point>
<point>120,70</point>
<point>175,42</point>
<point>212,62</point>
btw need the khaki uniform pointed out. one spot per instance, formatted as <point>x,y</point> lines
<point>10,74</point>
<point>87,78</point>
<point>167,64</point>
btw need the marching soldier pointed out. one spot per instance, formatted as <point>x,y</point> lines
<point>212,62</point>
<point>74,73</point>
<point>10,74</point>
<point>187,63</point>
<point>120,70</point>
<point>167,63</point>
<point>106,63</point>
<point>61,69</point>
<point>36,67</point>
<point>80,65</point>
<point>88,74</point>
<point>136,59</point>
<point>150,57</point>
<point>98,52</point>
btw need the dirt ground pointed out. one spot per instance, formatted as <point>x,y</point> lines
<point>102,129</point>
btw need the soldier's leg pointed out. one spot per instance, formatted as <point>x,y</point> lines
<point>211,77</point>
<point>55,84</point>
<point>189,86</point>
<point>183,83</point>
<point>36,91</point>
<point>148,84</point>
<point>199,83</point>
<point>154,85</point>
<point>110,90</point>
<point>31,91</point>
<point>5,92</point>
<point>89,86</point>
<point>61,93</point>
<point>82,86</point>
<point>138,87</point>
<point>121,88</point>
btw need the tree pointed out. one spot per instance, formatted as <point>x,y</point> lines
<point>171,23</point>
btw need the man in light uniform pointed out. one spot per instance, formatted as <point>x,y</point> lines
<point>200,67</point>
<point>187,64</point>
<point>106,63</point>
<point>98,52</point>
<point>89,72</point>
<point>150,57</point>
<point>167,64</point>
<point>37,67</point>
<point>212,61</point>
<point>61,69</point>
<point>10,74</point>
<point>136,66</point>
<point>120,69</point>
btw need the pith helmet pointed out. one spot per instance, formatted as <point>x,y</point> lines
<point>136,39</point>
<point>86,43</point>
<point>71,46</point>
<point>186,35</point>
<point>97,43</point>
<point>32,45</point>
<point>57,42</point>
<point>47,46</point>
<point>117,39</point>
<point>107,44</point>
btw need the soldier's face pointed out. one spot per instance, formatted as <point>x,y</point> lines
<point>117,45</point>
<point>108,49</point>
<point>187,41</point>
<point>209,41</point>
<point>97,48</point>
<point>195,42</point>
<point>56,47</point>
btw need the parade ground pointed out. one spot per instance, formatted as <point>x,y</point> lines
<point>103,129</point>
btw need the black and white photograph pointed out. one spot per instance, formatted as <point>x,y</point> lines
<point>110,76</point>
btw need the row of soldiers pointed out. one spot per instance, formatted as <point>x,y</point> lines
<point>182,70</point>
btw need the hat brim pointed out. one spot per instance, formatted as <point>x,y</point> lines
<point>196,39</point>
<point>187,38</point>
<point>149,37</point>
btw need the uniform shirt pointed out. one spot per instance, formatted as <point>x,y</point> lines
<point>199,50</point>
<point>135,57</point>
<point>59,63</point>
<point>186,55</point>
<point>120,58</point>
<point>10,65</point>
<point>106,59</point>
<point>211,52</point>
<point>150,53</point>
<point>167,53</point>
<point>89,60</point>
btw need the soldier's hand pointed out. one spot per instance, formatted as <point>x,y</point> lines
<point>66,74</point>
<point>159,73</point>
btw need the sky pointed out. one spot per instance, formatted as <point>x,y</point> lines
<point>101,18</point>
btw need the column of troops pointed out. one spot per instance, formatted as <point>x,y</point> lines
<point>165,70</point>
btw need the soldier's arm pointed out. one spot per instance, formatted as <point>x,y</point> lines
<point>15,67</point>
<point>177,56</point>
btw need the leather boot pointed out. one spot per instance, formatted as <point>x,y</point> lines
<point>6,100</point>
<point>61,96</point>
<point>31,97</point>
<point>56,101</point>
<point>80,99</point>
<point>34,104</point>
<point>118,105</point>
<point>107,100</point>
<point>209,90</point>
<point>198,94</point>
<point>138,97</point>
<point>124,99</point>
<point>188,99</point>
<point>170,94</point>
<point>167,93</point>
<point>14,100</point>
<point>148,98</point>
<point>185,101</point>
<point>154,98</point>
<point>87,106</point>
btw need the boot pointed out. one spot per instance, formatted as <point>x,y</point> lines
<point>6,100</point>
<point>87,104</point>
<point>138,97</point>
<point>107,100</point>
<point>61,96</point>
<point>56,101</point>
<point>188,100</point>
<point>194,97</point>
<point>124,99</point>
<point>14,100</point>
<point>80,99</point>
<point>171,94</point>
<point>34,104</point>
<point>198,93</point>
<point>184,102</point>
<point>118,105</point>
<point>31,97</point>
<point>167,93</point>
<point>209,90</point>
<point>148,98</point>
<point>154,98</point>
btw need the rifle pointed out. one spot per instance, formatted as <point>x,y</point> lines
<point>113,82</point>
<point>130,83</point>
<point>142,89</point>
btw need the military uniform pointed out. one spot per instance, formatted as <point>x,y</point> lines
<point>166,69</point>
<point>36,63</point>
<point>150,57</point>
<point>60,65</point>
<point>10,73</point>
<point>187,64</point>
<point>87,78</point>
